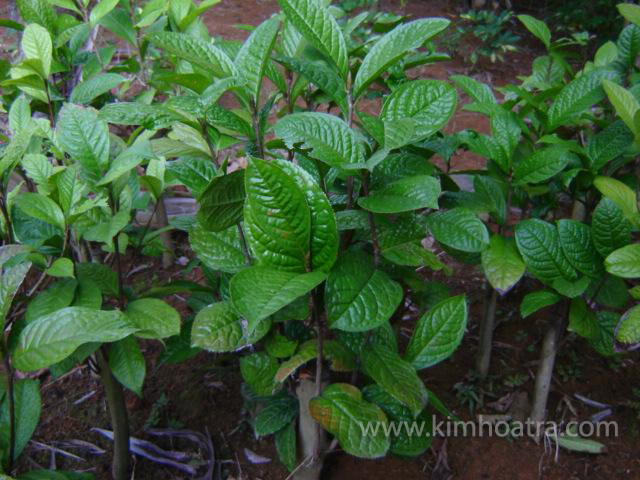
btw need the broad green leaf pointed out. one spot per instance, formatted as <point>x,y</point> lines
<point>59,295</point>
<point>11,279</point>
<point>329,138</point>
<point>342,411</point>
<point>275,415</point>
<point>459,228</point>
<point>628,46</point>
<point>102,8</point>
<point>396,376</point>
<point>53,337</point>
<point>609,144</point>
<point>629,327</point>
<point>571,288</point>
<point>106,231</point>
<point>36,45</point>
<point>479,92</point>
<point>620,193</point>
<point>539,245</point>
<point>85,92</point>
<point>429,103</point>
<point>153,318</point>
<point>393,46</point>
<point>324,231</point>
<point>438,333</point>
<point>542,165</point>
<point>128,160</point>
<point>252,58</point>
<point>580,94</point>
<point>624,262</point>
<point>625,103</point>
<point>630,12</point>
<point>609,228</point>
<point>492,194</point>
<point>534,301</point>
<point>506,132</point>
<point>127,364</point>
<point>118,21</point>
<point>577,246</point>
<point>27,415</point>
<point>61,267</point>
<point>222,202</point>
<point>41,207</point>
<point>277,217</point>
<point>258,371</point>
<point>103,276</point>
<point>135,113</point>
<point>258,292</point>
<point>85,138</point>
<point>314,22</point>
<point>502,263</point>
<point>538,28</point>
<point>285,440</point>
<point>218,328</point>
<point>37,11</point>
<point>358,296</point>
<point>39,169</point>
<point>193,173</point>
<point>221,251</point>
<point>410,193</point>
<point>228,121</point>
<point>280,346</point>
<point>195,50</point>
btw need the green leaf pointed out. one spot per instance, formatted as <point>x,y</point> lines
<point>411,193</point>
<point>609,228</point>
<point>57,296</point>
<point>218,250</point>
<point>85,138</point>
<point>36,45</point>
<point>459,228</point>
<point>542,165</point>
<point>259,371</point>
<point>37,11</point>
<point>534,301</point>
<point>193,173</point>
<point>314,22</point>
<point>27,415</point>
<point>127,364</point>
<point>577,246</point>
<point>11,279</point>
<point>624,262</point>
<point>609,144</point>
<point>342,411</point>
<point>277,217</point>
<point>118,21</point>
<point>252,58</point>
<point>106,231</point>
<point>195,50</point>
<point>61,267</point>
<point>438,333</point>
<point>329,138</point>
<point>224,120</point>
<point>630,12</point>
<point>625,103</point>
<point>218,328</point>
<point>492,194</point>
<point>128,160</point>
<point>629,327</point>
<point>429,103</point>
<point>479,92</point>
<point>580,94</point>
<point>41,207</point>
<point>53,337</point>
<point>358,297</point>
<point>153,318</point>
<point>393,46</point>
<point>539,245</point>
<point>538,28</point>
<point>222,202</point>
<point>280,346</point>
<point>135,113</point>
<point>276,414</point>
<point>397,377</point>
<point>85,92</point>
<point>502,263</point>
<point>258,292</point>
<point>620,193</point>
<point>286,446</point>
<point>103,276</point>
<point>102,8</point>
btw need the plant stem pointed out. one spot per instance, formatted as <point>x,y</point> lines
<point>7,219</point>
<point>12,404</point>
<point>165,237</point>
<point>245,246</point>
<point>119,417</point>
<point>52,117</point>
<point>483,359</point>
<point>372,222</point>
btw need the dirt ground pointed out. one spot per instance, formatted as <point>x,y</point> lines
<point>203,393</point>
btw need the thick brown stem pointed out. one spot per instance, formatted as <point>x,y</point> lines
<point>312,440</point>
<point>372,223</point>
<point>483,359</point>
<point>119,417</point>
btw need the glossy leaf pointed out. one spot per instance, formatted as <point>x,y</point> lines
<point>41,207</point>
<point>275,415</point>
<point>502,264</point>
<point>542,165</point>
<point>36,45</point>
<point>404,195</point>
<point>629,327</point>
<point>609,228</point>
<point>534,301</point>
<point>459,228</point>
<point>28,406</point>
<point>259,370</point>
<point>218,250</point>
<point>538,28</point>
<point>127,364</point>
<point>153,318</point>
<point>222,202</point>
<point>91,88</point>
<point>624,262</point>
<point>577,246</point>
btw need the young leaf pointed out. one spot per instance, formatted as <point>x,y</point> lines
<point>625,103</point>
<point>609,144</point>
<point>393,46</point>
<point>630,12</point>
<point>61,267</point>
<point>404,195</point>
<point>102,8</point>
<point>534,301</point>
<point>342,411</point>
<point>127,364</point>
<point>313,20</point>
<point>624,262</point>
<point>331,139</point>
<point>502,263</point>
<point>53,337</point>
<point>438,333</point>
<point>479,92</point>
<point>358,297</point>
<point>259,370</point>
<point>396,376</point>
<point>628,330</point>
<point>609,228</point>
<point>41,207</point>
<point>459,228</point>
<point>221,251</point>
<point>11,279</point>
<point>254,55</point>
<point>36,45</point>
<point>153,318</point>
<point>276,414</point>
<point>222,202</point>
<point>542,165</point>
<point>28,405</point>
<point>38,11</point>
<point>86,91</point>
<point>620,194</point>
<point>538,28</point>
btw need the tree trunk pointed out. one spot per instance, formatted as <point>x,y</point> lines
<point>487,326</point>
<point>312,438</point>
